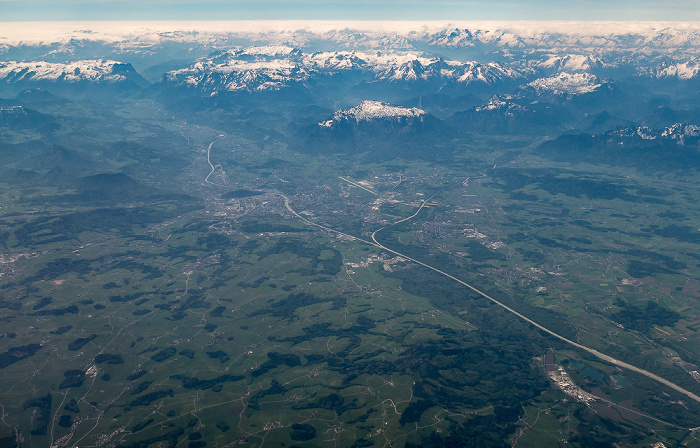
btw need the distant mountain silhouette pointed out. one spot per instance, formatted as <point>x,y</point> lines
<point>17,117</point>
<point>506,115</point>
<point>674,148</point>
<point>56,155</point>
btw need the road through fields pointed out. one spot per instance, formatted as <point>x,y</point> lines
<point>594,352</point>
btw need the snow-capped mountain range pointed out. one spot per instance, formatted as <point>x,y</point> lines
<point>613,36</point>
<point>99,71</point>
<point>277,67</point>
<point>73,78</point>
<point>669,70</point>
<point>679,132</point>
<point>266,56</point>
<point>483,77</point>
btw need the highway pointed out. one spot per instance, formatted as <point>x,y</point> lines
<point>594,352</point>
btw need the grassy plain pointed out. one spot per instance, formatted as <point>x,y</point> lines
<point>186,310</point>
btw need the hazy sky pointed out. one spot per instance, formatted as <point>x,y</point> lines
<point>29,10</point>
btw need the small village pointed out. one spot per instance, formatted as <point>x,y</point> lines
<point>564,382</point>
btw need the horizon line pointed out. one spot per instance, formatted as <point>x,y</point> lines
<point>14,32</point>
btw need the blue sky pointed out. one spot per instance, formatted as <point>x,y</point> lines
<point>25,10</point>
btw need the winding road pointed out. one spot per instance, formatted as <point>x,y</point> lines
<point>213,168</point>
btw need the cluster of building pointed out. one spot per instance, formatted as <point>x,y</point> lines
<point>559,376</point>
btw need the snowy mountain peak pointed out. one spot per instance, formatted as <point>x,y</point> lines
<point>372,110</point>
<point>501,103</point>
<point>572,63</point>
<point>491,73</point>
<point>452,38</point>
<point>566,84</point>
<point>414,70</point>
